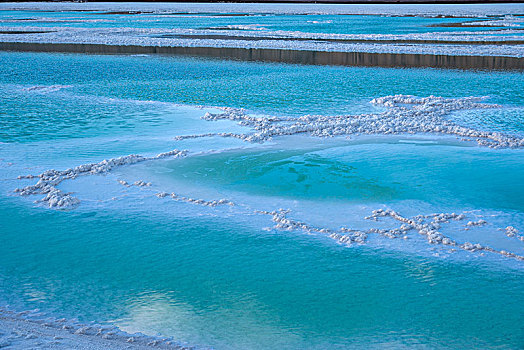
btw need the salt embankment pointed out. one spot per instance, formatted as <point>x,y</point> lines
<point>310,57</point>
<point>33,330</point>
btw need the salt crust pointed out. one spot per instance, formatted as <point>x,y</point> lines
<point>50,179</point>
<point>426,225</point>
<point>32,329</point>
<point>453,43</point>
<point>405,114</point>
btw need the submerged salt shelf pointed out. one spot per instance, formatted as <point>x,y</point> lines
<point>408,114</point>
<point>238,205</point>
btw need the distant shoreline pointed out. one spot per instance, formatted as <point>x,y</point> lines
<point>418,50</point>
<point>356,2</point>
<point>330,58</point>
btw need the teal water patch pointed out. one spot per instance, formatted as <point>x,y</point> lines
<point>175,276</point>
<point>262,88</point>
<point>44,97</point>
<point>366,173</point>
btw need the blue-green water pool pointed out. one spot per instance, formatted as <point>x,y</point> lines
<point>217,277</point>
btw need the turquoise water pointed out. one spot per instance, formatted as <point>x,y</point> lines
<point>261,88</point>
<point>219,277</point>
<point>356,173</point>
<point>176,276</point>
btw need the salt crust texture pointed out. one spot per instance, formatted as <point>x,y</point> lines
<point>404,114</point>
<point>34,330</point>
<point>453,43</point>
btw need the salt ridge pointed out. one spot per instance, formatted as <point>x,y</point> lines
<point>405,114</point>
<point>50,179</point>
<point>426,225</point>
<point>203,202</point>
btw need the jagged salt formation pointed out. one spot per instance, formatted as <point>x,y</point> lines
<point>405,114</point>
<point>348,236</point>
<point>282,222</point>
<point>430,230</point>
<point>179,198</point>
<point>419,224</point>
<point>50,179</point>
<point>138,183</point>
<point>512,232</point>
<point>476,223</point>
<point>203,202</point>
<point>425,225</point>
<point>47,89</point>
